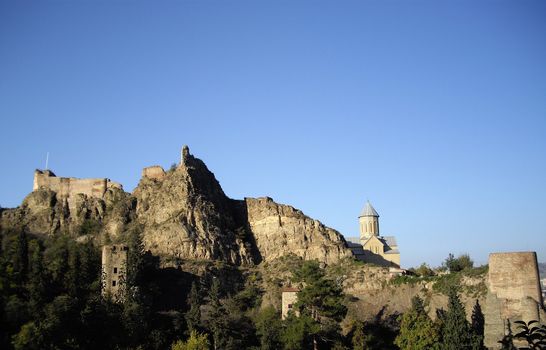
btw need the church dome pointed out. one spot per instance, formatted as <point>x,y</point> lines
<point>368,210</point>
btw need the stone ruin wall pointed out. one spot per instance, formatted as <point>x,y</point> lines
<point>514,293</point>
<point>153,172</point>
<point>114,272</point>
<point>68,186</point>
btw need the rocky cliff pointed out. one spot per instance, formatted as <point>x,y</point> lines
<point>281,229</point>
<point>183,214</point>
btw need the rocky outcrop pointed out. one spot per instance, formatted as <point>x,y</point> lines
<point>45,212</point>
<point>281,229</point>
<point>183,214</point>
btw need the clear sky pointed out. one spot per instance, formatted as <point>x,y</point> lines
<point>435,111</point>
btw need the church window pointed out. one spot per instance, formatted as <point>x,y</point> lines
<point>113,283</point>
<point>290,306</point>
<point>115,270</point>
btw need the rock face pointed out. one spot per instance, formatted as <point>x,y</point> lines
<point>279,229</point>
<point>183,214</point>
<point>514,294</point>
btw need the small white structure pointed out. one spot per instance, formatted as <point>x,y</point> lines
<point>289,298</point>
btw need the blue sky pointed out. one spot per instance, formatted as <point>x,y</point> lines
<point>435,111</point>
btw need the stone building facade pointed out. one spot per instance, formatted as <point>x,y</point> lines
<point>514,294</point>
<point>114,272</point>
<point>289,298</point>
<point>370,246</point>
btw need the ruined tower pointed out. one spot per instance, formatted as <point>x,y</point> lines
<point>114,272</point>
<point>513,295</point>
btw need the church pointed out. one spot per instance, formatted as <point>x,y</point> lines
<point>371,246</point>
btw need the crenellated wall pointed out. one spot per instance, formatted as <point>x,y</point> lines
<point>69,186</point>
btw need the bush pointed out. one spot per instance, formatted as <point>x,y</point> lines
<point>460,263</point>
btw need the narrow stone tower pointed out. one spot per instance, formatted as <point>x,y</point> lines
<point>114,272</point>
<point>369,222</point>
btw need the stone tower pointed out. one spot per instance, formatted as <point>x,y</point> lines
<point>514,294</point>
<point>369,222</point>
<point>114,271</point>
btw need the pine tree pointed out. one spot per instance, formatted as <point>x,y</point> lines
<point>321,297</point>
<point>321,300</point>
<point>417,330</point>
<point>37,286</point>
<point>72,277</point>
<point>135,278</point>
<point>268,328</point>
<point>193,316</point>
<point>360,339</point>
<point>20,257</point>
<point>456,330</point>
<point>477,326</point>
<point>217,316</point>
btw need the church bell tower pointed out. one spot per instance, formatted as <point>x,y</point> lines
<point>369,222</point>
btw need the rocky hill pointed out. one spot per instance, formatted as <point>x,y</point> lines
<point>183,214</point>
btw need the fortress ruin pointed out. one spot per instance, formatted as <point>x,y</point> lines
<point>69,186</point>
<point>514,294</point>
<point>114,272</point>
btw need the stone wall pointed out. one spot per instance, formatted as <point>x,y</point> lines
<point>289,298</point>
<point>514,294</point>
<point>153,172</point>
<point>69,186</point>
<point>114,272</point>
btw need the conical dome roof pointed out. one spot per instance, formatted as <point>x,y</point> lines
<point>368,210</point>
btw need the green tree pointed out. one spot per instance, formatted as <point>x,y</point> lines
<point>196,341</point>
<point>322,300</point>
<point>269,329</point>
<point>456,332</point>
<point>417,330</point>
<point>73,274</point>
<point>533,333</point>
<point>361,339</point>
<point>424,270</point>
<point>37,285</point>
<point>299,332</point>
<point>217,322</point>
<point>321,297</point>
<point>28,338</point>
<point>477,326</point>
<point>135,278</point>
<point>20,257</point>
<point>193,316</point>
<point>462,262</point>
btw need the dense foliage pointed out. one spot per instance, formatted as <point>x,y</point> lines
<point>417,330</point>
<point>50,299</point>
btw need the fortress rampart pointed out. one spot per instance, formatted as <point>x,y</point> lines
<point>69,186</point>
<point>514,294</point>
